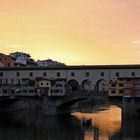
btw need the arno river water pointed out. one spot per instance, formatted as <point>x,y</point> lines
<point>106,125</point>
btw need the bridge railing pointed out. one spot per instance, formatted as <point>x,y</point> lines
<point>79,95</point>
<point>71,96</point>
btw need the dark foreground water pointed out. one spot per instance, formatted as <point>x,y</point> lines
<point>106,125</point>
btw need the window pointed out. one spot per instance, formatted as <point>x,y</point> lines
<point>31,83</point>
<point>1,73</point>
<point>72,74</point>
<point>121,85</point>
<point>25,91</point>
<point>31,91</point>
<point>87,74</point>
<point>4,91</point>
<point>18,73</point>
<point>12,81</point>
<point>17,91</point>
<point>117,74</point>
<point>59,85</point>
<point>6,80</point>
<point>121,79</point>
<point>18,81</point>
<point>31,74</point>
<point>0,81</point>
<point>25,85</point>
<point>44,74</point>
<point>58,74</point>
<point>132,73</point>
<point>8,64</point>
<point>120,91</point>
<point>12,91</point>
<point>102,73</point>
<point>113,91</point>
<point>113,85</point>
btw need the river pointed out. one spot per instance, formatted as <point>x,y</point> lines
<point>106,125</point>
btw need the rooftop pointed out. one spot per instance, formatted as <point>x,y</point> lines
<point>136,66</point>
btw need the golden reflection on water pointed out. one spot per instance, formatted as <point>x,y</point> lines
<point>90,137</point>
<point>108,122</point>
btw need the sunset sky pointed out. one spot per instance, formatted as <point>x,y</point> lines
<point>76,32</point>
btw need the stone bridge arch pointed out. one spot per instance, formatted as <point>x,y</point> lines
<point>72,85</point>
<point>116,101</point>
<point>86,85</point>
<point>102,85</point>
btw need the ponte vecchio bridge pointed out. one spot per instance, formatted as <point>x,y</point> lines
<point>77,78</point>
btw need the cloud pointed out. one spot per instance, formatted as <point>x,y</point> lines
<point>136,42</point>
<point>14,46</point>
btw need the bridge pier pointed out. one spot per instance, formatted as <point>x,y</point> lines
<point>129,107</point>
<point>49,106</point>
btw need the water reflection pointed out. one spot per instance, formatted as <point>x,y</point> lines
<point>31,125</point>
<point>105,123</point>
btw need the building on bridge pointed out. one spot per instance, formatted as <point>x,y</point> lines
<point>116,88</point>
<point>85,78</point>
<point>32,87</point>
<point>125,86</point>
<point>132,87</point>
<point>50,87</point>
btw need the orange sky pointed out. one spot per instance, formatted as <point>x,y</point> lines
<point>72,31</point>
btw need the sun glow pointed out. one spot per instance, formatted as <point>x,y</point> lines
<point>73,32</point>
